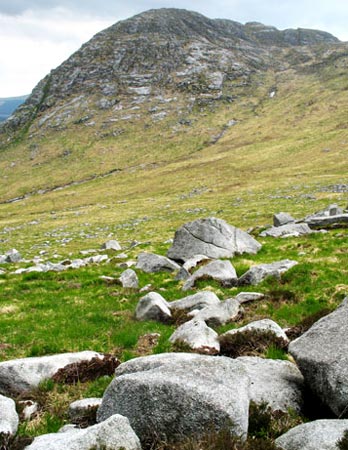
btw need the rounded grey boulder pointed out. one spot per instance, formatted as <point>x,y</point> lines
<point>178,395</point>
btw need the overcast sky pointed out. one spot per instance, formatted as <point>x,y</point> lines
<point>38,35</point>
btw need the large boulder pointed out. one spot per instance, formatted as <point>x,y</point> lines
<point>115,433</point>
<point>220,314</point>
<point>179,394</point>
<point>211,237</point>
<point>153,307</point>
<point>341,220</point>
<point>278,383</point>
<point>258,273</point>
<point>322,356</point>
<point>8,419</point>
<point>198,336</point>
<point>317,435</point>
<point>152,263</point>
<point>218,270</point>
<point>20,375</point>
<point>196,301</point>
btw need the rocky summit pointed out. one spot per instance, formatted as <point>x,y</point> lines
<point>158,58</point>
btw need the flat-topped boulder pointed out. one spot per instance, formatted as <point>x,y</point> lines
<point>287,230</point>
<point>114,433</point>
<point>20,375</point>
<point>282,218</point>
<point>213,238</point>
<point>322,356</point>
<point>177,395</point>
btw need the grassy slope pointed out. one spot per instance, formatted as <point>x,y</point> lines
<point>279,156</point>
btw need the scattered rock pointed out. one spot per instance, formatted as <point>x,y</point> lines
<point>84,412</point>
<point>275,382</point>
<point>20,375</point>
<point>322,356</point>
<point>219,314</point>
<point>211,237</point>
<point>111,245</point>
<point>282,218</point>
<point>153,307</point>
<point>179,395</point>
<point>151,263</point>
<point>196,301</point>
<point>129,279</point>
<point>13,256</point>
<point>221,271</point>
<point>109,280</point>
<point>288,230</point>
<point>115,432</point>
<point>185,270</point>
<point>256,274</point>
<point>244,297</point>
<point>198,336</point>
<point>8,419</point>
<point>338,221</point>
<point>320,434</point>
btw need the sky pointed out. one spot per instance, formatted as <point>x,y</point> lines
<point>38,35</point>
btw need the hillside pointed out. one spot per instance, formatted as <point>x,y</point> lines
<point>159,120</point>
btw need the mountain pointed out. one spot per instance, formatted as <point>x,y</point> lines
<point>9,105</point>
<point>169,91</point>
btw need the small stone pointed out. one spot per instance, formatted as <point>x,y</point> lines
<point>129,279</point>
<point>111,245</point>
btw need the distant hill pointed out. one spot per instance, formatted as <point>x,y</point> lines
<point>8,105</point>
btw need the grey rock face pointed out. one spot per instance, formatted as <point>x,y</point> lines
<point>8,418</point>
<point>288,230</point>
<point>115,433</point>
<point>282,218</point>
<point>213,238</point>
<point>322,356</point>
<point>179,394</point>
<point>129,279</point>
<point>198,336</point>
<point>84,411</point>
<point>267,325</point>
<point>111,245</point>
<point>256,274</point>
<point>20,375</point>
<point>221,271</point>
<point>278,383</point>
<point>153,307</point>
<point>220,314</point>
<point>244,297</point>
<point>196,301</point>
<point>320,434</point>
<point>151,263</point>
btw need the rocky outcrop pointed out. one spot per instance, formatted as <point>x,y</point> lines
<point>20,375</point>
<point>288,230</point>
<point>179,395</point>
<point>320,434</point>
<point>322,356</point>
<point>213,238</point>
<point>115,433</point>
